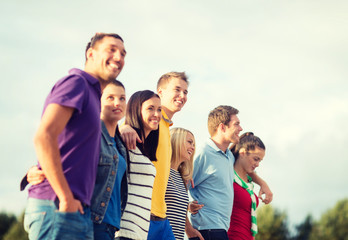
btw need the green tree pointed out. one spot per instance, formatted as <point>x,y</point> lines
<point>17,232</point>
<point>333,224</point>
<point>272,224</point>
<point>304,229</point>
<point>6,220</point>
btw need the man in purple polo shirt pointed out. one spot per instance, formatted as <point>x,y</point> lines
<point>67,145</point>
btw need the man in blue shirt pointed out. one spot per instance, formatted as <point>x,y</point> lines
<point>213,175</point>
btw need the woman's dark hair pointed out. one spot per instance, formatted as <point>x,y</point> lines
<point>248,141</point>
<point>135,120</point>
<point>116,83</point>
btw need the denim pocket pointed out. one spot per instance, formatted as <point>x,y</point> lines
<point>33,222</point>
<point>69,220</point>
<point>107,158</point>
<point>69,225</point>
<point>105,165</point>
<point>38,218</point>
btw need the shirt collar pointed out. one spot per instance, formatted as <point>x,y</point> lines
<point>212,144</point>
<point>105,133</point>
<point>165,118</point>
<point>92,80</point>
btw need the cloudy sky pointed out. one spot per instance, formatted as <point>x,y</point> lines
<point>283,64</point>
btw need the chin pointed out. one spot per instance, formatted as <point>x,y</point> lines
<point>177,110</point>
<point>112,76</point>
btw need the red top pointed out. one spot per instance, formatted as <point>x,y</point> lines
<point>241,215</point>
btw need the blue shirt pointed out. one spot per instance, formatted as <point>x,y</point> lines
<point>113,211</point>
<point>213,186</point>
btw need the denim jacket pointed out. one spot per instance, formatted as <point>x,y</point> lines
<point>106,175</point>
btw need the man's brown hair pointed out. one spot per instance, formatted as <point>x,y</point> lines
<point>221,114</point>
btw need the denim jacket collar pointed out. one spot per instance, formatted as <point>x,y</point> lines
<point>105,133</point>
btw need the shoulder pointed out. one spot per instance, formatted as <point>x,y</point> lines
<point>69,91</point>
<point>69,88</point>
<point>136,155</point>
<point>205,154</point>
<point>120,144</point>
<point>72,80</point>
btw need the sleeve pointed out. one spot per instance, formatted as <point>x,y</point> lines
<point>24,183</point>
<point>69,92</point>
<point>199,174</point>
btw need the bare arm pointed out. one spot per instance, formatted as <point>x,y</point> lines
<point>190,231</point>
<point>264,188</point>
<point>52,124</point>
<point>129,136</point>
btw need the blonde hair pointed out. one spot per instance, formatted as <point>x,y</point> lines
<point>165,78</point>
<point>177,139</point>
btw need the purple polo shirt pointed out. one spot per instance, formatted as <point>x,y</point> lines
<point>79,143</point>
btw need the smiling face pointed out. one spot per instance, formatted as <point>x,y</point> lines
<point>105,60</point>
<point>113,103</point>
<point>188,148</point>
<point>251,159</point>
<point>232,130</point>
<point>151,114</point>
<point>173,96</point>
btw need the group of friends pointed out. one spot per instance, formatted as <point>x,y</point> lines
<point>98,179</point>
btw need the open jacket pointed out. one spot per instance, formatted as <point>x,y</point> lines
<point>106,175</point>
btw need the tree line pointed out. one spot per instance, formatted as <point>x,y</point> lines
<point>272,223</point>
<point>332,225</point>
<point>11,227</point>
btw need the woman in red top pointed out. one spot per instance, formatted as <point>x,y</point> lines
<point>248,154</point>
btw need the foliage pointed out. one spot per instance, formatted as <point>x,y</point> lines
<point>272,224</point>
<point>333,224</point>
<point>304,229</point>
<point>17,232</point>
<point>6,220</point>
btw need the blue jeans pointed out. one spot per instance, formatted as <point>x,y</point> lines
<point>214,234</point>
<point>160,230</point>
<point>42,220</point>
<point>104,231</point>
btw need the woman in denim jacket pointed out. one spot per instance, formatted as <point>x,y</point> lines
<point>111,186</point>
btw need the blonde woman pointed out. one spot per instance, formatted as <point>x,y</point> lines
<point>183,149</point>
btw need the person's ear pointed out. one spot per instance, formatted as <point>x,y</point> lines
<point>159,92</point>
<point>89,53</point>
<point>221,127</point>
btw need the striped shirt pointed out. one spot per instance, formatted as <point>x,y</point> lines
<point>177,202</point>
<point>135,221</point>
